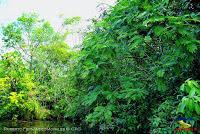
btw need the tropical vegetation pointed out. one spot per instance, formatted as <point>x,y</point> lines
<point>136,71</point>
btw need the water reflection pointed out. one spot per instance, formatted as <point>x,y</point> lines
<point>38,127</point>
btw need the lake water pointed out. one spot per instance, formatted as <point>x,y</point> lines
<point>38,127</point>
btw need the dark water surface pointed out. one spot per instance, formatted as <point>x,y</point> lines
<point>38,127</point>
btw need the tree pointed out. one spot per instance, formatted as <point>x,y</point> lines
<point>49,58</point>
<point>27,33</point>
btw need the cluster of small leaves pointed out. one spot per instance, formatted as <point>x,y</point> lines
<point>190,104</point>
<point>164,119</point>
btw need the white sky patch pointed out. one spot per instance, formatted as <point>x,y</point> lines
<point>50,9</point>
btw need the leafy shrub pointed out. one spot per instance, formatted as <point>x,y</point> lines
<point>189,105</point>
<point>134,60</point>
<point>18,90</point>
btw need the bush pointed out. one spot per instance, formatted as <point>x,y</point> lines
<point>134,60</point>
<point>18,90</point>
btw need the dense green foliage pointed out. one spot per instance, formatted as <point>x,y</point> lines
<point>135,60</point>
<point>18,90</point>
<point>34,77</point>
<point>137,70</point>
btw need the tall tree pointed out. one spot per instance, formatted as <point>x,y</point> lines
<point>27,33</point>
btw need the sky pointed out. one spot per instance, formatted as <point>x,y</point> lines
<point>50,9</point>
